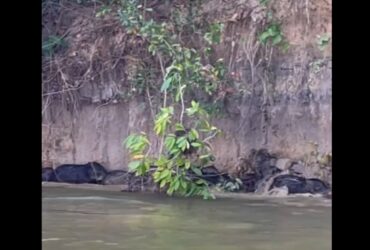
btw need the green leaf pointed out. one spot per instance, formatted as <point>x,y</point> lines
<point>273,31</point>
<point>177,184</point>
<point>263,37</point>
<point>170,142</point>
<point>180,162</point>
<point>179,127</point>
<point>190,111</point>
<point>191,191</point>
<point>165,173</point>
<point>161,161</point>
<point>194,134</point>
<point>277,39</point>
<point>177,97</point>
<point>187,164</point>
<point>134,165</point>
<point>194,104</point>
<point>200,182</point>
<point>187,54</point>
<point>204,156</point>
<point>158,128</point>
<point>196,144</point>
<point>184,184</point>
<point>163,183</point>
<point>180,141</point>
<point>183,144</point>
<point>197,171</point>
<point>175,152</point>
<point>156,176</point>
<point>166,84</point>
<point>170,190</point>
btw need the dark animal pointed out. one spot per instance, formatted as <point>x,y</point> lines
<point>262,162</point>
<point>299,185</point>
<point>249,182</point>
<point>117,177</point>
<point>316,186</point>
<point>91,172</point>
<point>295,184</point>
<point>263,167</point>
<point>213,176</point>
<point>210,174</point>
<point>48,175</point>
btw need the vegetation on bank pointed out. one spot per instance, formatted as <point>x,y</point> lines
<point>180,45</point>
<point>184,129</point>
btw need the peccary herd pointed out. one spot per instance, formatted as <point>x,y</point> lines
<point>261,176</point>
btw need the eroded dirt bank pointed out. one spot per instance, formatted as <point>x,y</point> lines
<point>286,108</point>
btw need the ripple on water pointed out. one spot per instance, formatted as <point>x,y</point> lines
<point>51,239</point>
<point>239,226</point>
<point>81,198</point>
<point>111,244</point>
<point>296,213</point>
<point>262,205</point>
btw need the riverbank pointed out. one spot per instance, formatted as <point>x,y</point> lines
<point>218,194</point>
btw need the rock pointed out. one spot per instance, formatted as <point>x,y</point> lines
<point>297,169</point>
<point>279,192</point>
<point>284,164</point>
<point>273,161</point>
<point>328,176</point>
<point>243,167</point>
<point>313,171</point>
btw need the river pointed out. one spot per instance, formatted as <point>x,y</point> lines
<point>96,220</point>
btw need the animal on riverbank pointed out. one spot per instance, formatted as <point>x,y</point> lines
<point>91,172</point>
<point>299,185</point>
<point>48,175</point>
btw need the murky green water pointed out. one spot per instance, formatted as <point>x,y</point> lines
<point>97,220</point>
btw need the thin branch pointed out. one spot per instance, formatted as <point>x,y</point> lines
<point>150,103</point>
<point>46,105</point>
<point>182,105</point>
<point>210,137</point>
<point>163,75</point>
<point>164,100</point>
<point>144,10</point>
<point>307,13</point>
<point>62,91</point>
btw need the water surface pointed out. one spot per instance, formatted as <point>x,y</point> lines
<point>96,220</point>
